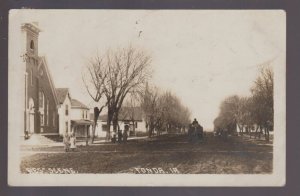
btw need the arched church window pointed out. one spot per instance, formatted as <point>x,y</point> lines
<point>41,99</point>
<point>31,45</point>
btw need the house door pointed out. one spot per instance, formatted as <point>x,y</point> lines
<point>31,116</point>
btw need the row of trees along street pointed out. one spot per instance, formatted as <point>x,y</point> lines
<point>253,113</point>
<point>112,76</point>
<point>163,111</point>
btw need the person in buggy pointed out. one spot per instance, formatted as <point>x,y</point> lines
<point>199,130</point>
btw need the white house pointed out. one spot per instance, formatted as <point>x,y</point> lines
<point>73,115</point>
<point>64,110</point>
<point>80,122</point>
<point>128,116</point>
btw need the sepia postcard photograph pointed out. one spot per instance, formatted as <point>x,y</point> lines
<point>146,97</point>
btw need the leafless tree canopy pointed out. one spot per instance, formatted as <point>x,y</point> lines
<point>254,112</point>
<point>111,76</point>
<point>163,111</point>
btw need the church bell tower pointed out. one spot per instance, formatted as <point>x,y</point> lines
<point>29,53</point>
<point>31,33</point>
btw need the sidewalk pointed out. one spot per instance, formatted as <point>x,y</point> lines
<point>103,141</point>
<point>36,141</point>
<point>39,140</point>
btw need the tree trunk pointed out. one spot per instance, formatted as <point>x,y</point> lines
<point>133,129</point>
<point>260,132</point>
<point>240,128</point>
<point>115,122</point>
<point>93,131</point>
<point>256,132</point>
<point>151,129</point>
<point>108,130</point>
<point>109,119</point>
<point>267,134</point>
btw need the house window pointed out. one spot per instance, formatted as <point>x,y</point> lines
<point>67,110</point>
<point>136,125</point>
<point>41,99</point>
<point>67,125</point>
<point>82,114</point>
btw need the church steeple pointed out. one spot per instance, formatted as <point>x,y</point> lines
<point>31,31</point>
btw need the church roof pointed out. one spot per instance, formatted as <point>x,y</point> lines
<point>43,61</point>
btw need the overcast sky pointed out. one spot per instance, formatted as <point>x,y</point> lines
<point>201,56</point>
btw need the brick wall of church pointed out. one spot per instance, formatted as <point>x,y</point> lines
<point>36,83</point>
<point>45,87</point>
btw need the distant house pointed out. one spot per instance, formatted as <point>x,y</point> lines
<point>100,130</point>
<point>128,116</point>
<point>80,122</point>
<point>64,112</point>
<point>132,117</point>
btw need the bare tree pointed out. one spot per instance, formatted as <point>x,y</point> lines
<point>163,111</point>
<point>244,114</point>
<point>228,116</point>
<point>94,80</point>
<point>262,95</point>
<point>248,112</point>
<point>151,107</point>
<point>132,104</point>
<point>114,75</point>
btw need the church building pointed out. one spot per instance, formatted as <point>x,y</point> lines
<point>41,102</point>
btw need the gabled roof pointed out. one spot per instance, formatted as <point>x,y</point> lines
<point>61,94</point>
<point>42,60</point>
<point>77,104</point>
<point>125,114</point>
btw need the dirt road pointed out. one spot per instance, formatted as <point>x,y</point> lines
<point>165,154</point>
